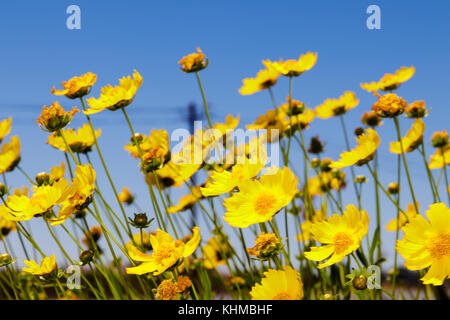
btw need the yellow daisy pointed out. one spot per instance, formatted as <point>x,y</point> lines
<point>186,202</point>
<point>48,266</point>
<point>412,140</point>
<point>55,118</point>
<point>341,235</point>
<point>389,81</point>
<point>77,87</point>
<point>293,68</point>
<point>279,285</point>
<point>437,159</point>
<point>10,155</point>
<point>336,107</point>
<point>193,62</point>
<point>273,122</point>
<point>427,244</point>
<point>113,98</point>
<point>80,141</point>
<point>259,200</point>
<point>166,252</point>
<point>403,218</point>
<point>5,128</point>
<point>215,253</point>
<point>368,143</point>
<point>264,80</point>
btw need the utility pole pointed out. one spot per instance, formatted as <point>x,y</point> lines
<point>192,117</point>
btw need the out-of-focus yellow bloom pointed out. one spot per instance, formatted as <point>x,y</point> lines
<point>389,81</point>
<point>79,194</point>
<point>416,109</point>
<point>300,121</point>
<point>187,201</point>
<point>170,290</point>
<point>440,139</point>
<point>48,266</point>
<point>325,181</point>
<point>80,141</point>
<point>54,117</point>
<point>113,98</point>
<point>293,68</point>
<point>371,119</point>
<point>77,87</point>
<point>259,200</point>
<point>265,79</point>
<point>125,196</point>
<point>155,149</point>
<point>427,244</point>
<point>6,226</point>
<point>144,244</point>
<point>193,62</point>
<point>403,218</point>
<point>5,128</point>
<point>306,226</point>
<point>389,105</point>
<point>368,143</point>
<point>166,252</point>
<point>225,181</point>
<point>437,159</point>
<point>279,285</point>
<point>336,107</point>
<point>292,107</point>
<point>215,253</point>
<point>173,174</point>
<point>273,122</point>
<point>341,235</point>
<point>10,155</point>
<point>412,140</point>
<point>267,245</point>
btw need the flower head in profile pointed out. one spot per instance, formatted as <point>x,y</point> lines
<point>5,128</point>
<point>259,200</point>
<point>371,119</point>
<point>416,109</point>
<point>306,227</point>
<point>267,245</point>
<point>426,243</point>
<point>10,155</point>
<point>114,98</point>
<point>340,236</point>
<point>54,118</point>
<point>79,141</point>
<point>166,252</point>
<point>368,143</point>
<point>186,202</point>
<point>403,218</point>
<point>412,140</point>
<point>440,139</point>
<point>173,174</point>
<point>193,62</point>
<point>215,252</point>
<point>299,121</point>
<point>265,79</point>
<point>125,196</point>
<point>292,107</point>
<point>440,158</point>
<point>336,107</point>
<point>389,105</point>
<point>389,81</point>
<point>293,68</point>
<point>76,87</point>
<point>47,267</point>
<point>279,285</point>
<point>273,122</point>
<point>6,226</point>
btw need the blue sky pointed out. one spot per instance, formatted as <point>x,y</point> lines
<point>37,52</point>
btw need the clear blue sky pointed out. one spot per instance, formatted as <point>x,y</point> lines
<point>37,52</point>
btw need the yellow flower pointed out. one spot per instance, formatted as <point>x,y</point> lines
<point>80,141</point>
<point>78,196</point>
<point>427,244</point>
<point>170,290</point>
<point>259,200</point>
<point>416,109</point>
<point>125,196</point>
<point>55,118</point>
<point>166,252</point>
<point>266,246</point>
<point>113,98</point>
<point>403,218</point>
<point>279,285</point>
<point>368,143</point>
<point>336,107</point>
<point>5,128</point>
<point>193,62</point>
<point>389,105</point>
<point>145,244</point>
<point>187,201</point>
<point>273,122</point>
<point>306,226</point>
<point>155,149</point>
<point>48,266</point>
<point>215,253</point>
<point>341,235</point>
<point>389,81</point>
<point>264,80</point>
<point>300,121</point>
<point>440,139</point>
<point>371,119</point>
<point>225,181</point>
<point>10,155</point>
<point>293,68</point>
<point>6,226</point>
<point>77,87</point>
<point>437,159</point>
<point>291,108</point>
<point>173,174</point>
<point>412,140</point>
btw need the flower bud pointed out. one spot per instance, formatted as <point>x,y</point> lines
<point>371,119</point>
<point>138,137</point>
<point>360,179</point>
<point>3,190</point>
<point>141,220</point>
<point>325,165</point>
<point>86,256</point>
<point>359,131</point>
<point>42,179</point>
<point>315,146</point>
<point>315,163</point>
<point>359,282</point>
<point>389,105</point>
<point>393,188</point>
<point>5,259</point>
<point>416,110</point>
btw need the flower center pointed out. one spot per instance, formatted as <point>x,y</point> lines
<point>439,246</point>
<point>264,203</point>
<point>341,242</point>
<point>282,296</point>
<point>165,251</point>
